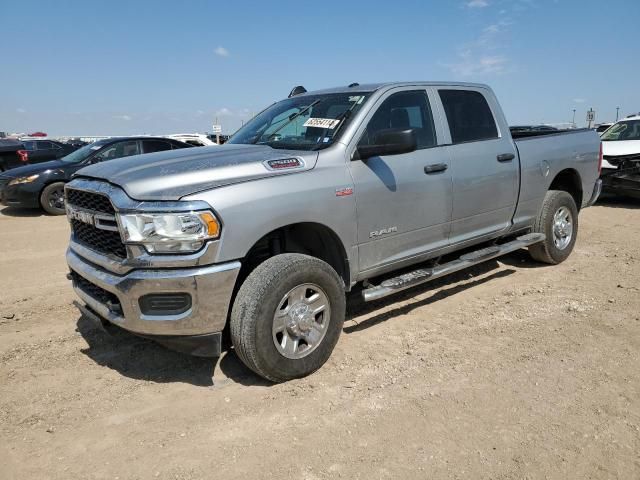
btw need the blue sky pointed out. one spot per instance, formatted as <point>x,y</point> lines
<point>126,67</point>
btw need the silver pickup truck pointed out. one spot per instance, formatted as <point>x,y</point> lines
<point>386,186</point>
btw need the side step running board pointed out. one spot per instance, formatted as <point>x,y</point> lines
<point>423,275</point>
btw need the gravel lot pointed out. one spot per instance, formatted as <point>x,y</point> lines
<point>512,370</point>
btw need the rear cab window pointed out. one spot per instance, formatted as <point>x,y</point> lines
<point>469,116</point>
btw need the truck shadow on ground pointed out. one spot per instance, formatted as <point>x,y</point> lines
<point>356,307</point>
<point>614,201</point>
<point>22,212</point>
<point>143,359</point>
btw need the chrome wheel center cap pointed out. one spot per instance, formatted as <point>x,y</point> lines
<point>300,320</point>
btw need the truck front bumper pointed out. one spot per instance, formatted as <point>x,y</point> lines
<point>141,301</point>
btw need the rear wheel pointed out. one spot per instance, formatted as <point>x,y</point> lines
<point>52,199</point>
<point>288,316</point>
<point>558,220</point>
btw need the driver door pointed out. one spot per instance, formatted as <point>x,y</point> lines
<point>403,201</point>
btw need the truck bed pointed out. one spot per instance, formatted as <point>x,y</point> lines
<point>524,135</point>
<point>545,155</point>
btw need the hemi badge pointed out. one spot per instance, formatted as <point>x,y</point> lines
<point>285,163</point>
<point>343,192</point>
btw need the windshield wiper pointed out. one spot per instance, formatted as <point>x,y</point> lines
<point>291,119</point>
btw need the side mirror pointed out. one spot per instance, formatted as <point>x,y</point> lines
<point>391,141</point>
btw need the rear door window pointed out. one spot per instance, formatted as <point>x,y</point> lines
<point>150,146</point>
<point>29,145</point>
<point>469,116</point>
<point>43,146</point>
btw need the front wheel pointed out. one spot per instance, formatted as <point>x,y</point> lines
<point>52,199</point>
<point>558,220</point>
<point>287,316</point>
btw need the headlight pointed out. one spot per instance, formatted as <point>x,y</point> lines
<point>19,180</point>
<point>170,232</point>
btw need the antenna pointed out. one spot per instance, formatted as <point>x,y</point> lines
<point>297,91</point>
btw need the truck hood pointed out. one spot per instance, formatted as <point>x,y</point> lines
<point>174,174</point>
<point>620,147</point>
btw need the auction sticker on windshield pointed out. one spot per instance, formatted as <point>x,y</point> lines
<point>321,123</point>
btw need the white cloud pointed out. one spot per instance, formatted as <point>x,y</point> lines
<point>221,52</point>
<point>224,111</point>
<point>126,118</point>
<point>477,4</point>
<point>471,64</point>
<point>21,110</point>
<point>492,29</point>
<point>579,100</point>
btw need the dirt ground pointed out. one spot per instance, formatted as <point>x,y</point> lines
<point>512,370</point>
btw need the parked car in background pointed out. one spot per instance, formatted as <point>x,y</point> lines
<point>42,185</point>
<point>75,142</point>
<point>12,154</point>
<point>16,153</point>
<point>602,127</point>
<point>317,193</point>
<point>621,157</point>
<point>194,139</point>
<point>222,139</point>
<point>38,151</point>
<point>524,129</point>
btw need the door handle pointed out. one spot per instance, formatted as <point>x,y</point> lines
<point>505,157</point>
<point>435,168</point>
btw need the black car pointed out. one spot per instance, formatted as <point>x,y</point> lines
<point>9,153</point>
<point>39,151</point>
<point>42,185</point>
<point>29,151</point>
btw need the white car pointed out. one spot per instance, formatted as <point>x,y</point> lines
<point>603,127</point>
<point>621,142</point>
<point>195,139</point>
<point>621,158</point>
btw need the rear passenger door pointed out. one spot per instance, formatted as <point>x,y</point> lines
<point>485,168</point>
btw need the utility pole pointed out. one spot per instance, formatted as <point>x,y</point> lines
<point>617,111</point>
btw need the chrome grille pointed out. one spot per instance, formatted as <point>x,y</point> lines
<point>102,236</point>
<point>90,201</point>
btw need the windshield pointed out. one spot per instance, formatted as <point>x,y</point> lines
<point>625,130</point>
<point>308,122</point>
<point>84,152</point>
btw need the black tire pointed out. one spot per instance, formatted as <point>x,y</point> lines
<point>548,251</point>
<point>258,300</point>
<point>52,199</point>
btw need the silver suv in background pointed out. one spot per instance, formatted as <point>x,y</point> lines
<point>385,185</point>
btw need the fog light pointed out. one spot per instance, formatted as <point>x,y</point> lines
<point>165,303</point>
